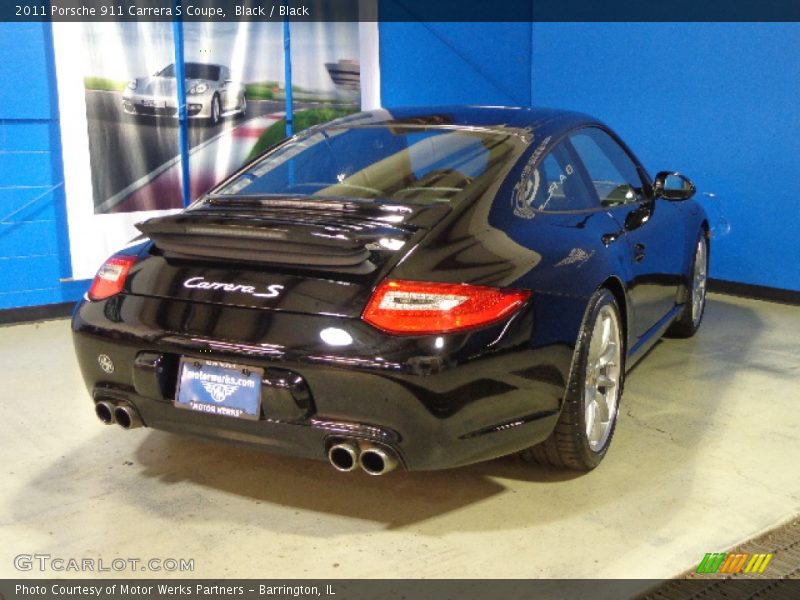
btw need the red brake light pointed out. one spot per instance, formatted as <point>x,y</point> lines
<point>417,307</point>
<point>111,277</point>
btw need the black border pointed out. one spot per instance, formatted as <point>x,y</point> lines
<point>43,312</point>
<point>623,11</point>
<point>757,292</point>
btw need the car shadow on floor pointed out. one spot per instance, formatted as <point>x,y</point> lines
<point>397,499</point>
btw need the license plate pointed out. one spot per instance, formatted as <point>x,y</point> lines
<point>155,103</point>
<point>220,388</point>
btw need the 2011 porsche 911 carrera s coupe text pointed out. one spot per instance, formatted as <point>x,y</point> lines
<point>424,288</point>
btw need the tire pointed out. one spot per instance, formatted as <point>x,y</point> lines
<point>694,298</point>
<point>242,109</point>
<point>599,358</point>
<point>216,112</point>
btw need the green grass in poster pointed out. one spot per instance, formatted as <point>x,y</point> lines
<point>104,84</point>
<point>302,120</point>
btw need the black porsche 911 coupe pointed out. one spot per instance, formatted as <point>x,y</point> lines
<point>424,288</point>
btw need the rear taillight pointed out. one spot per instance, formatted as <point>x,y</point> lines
<point>111,277</point>
<point>417,307</point>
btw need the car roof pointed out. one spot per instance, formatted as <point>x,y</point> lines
<point>501,117</point>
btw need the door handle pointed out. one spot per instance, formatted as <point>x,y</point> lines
<point>638,252</point>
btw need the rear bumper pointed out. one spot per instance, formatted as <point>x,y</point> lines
<point>437,403</point>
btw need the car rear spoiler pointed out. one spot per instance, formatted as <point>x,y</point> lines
<point>322,241</point>
<point>252,240</point>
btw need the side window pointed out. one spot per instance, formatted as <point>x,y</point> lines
<point>613,173</point>
<point>555,185</point>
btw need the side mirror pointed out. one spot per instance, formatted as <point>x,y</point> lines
<point>671,185</point>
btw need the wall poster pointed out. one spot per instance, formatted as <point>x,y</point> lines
<point>118,103</point>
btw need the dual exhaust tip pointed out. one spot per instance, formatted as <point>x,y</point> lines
<point>344,456</point>
<point>122,414</point>
<point>373,460</point>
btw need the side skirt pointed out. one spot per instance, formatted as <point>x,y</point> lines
<point>649,339</point>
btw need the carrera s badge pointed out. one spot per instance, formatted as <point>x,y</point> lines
<point>273,291</point>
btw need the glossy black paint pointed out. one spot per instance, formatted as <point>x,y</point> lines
<point>438,401</point>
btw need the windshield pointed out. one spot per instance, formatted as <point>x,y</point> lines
<point>406,164</point>
<point>193,71</point>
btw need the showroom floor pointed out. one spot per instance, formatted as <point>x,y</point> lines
<point>705,457</point>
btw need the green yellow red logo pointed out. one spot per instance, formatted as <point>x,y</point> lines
<point>733,563</point>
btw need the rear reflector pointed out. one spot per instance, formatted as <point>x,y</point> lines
<point>111,277</point>
<point>417,307</point>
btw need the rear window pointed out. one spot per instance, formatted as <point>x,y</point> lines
<point>406,164</point>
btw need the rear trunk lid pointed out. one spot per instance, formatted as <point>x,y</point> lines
<point>316,257</point>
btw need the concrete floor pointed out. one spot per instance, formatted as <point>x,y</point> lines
<point>705,456</point>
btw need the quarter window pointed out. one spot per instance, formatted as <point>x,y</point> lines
<point>612,172</point>
<point>555,185</point>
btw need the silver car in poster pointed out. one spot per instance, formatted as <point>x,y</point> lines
<point>211,94</point>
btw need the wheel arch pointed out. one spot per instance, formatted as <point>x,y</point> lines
<point>616,287</point>
<point>707,232</point>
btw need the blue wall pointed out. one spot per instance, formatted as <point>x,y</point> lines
<point>717,101</point>
<point>33,241</point>
<point>451,63</point>
<point>714,100</point>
